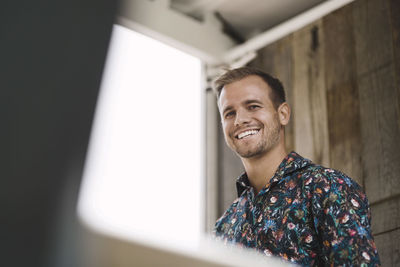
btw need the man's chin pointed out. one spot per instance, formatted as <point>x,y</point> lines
<point>247,154</point>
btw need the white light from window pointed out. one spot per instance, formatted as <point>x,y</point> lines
<point>142,173</point>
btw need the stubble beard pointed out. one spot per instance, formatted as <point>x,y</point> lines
<point>268,142</point>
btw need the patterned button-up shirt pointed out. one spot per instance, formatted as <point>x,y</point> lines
<point>306,214</point>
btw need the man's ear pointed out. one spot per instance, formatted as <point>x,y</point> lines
<point>284,113</point>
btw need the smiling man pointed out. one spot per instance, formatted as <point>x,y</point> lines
<point>287,206</point>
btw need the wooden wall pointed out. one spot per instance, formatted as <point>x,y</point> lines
<point>342,77</point>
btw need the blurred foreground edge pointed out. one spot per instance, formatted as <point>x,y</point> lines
<point>102,250</point>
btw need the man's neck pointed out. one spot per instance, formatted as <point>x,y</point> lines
<point>261,169</point>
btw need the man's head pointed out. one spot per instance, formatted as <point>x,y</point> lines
<point>252,112</point>
<point>277,93</point>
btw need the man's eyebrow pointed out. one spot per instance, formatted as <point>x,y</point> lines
<point>251,101</point>
<point>226,109</point>
<point>246,102</point>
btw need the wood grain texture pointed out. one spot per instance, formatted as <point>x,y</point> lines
<point>395,22</point>
<point>339,47</point>
<point>342,93</point>
<point>283,70</point>
<point>373,35</point>
<point>386,216</point>
<point>394,9</point>
<point>265,59</point>
<point>310,113</point>
<point>301,97</point>
<point>388,246</point>
<point>380,133</point>
<point>344,131</point>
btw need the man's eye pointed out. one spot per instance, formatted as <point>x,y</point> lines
<point>254,106</point>
<point>229,114</point>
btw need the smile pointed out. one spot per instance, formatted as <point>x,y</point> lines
<point>247,133</point>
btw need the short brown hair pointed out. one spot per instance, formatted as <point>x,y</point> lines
<point>277,92</point>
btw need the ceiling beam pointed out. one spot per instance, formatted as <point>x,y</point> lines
<point>283,29</point>
<point>157,20</point>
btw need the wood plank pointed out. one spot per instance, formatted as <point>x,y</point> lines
<point>388,246</point>
<point>394,9</point>
<point>318,97</point>
<point>373,35</point>
<point>282,69</point>
<point>344,134</point>
<point>309,107</point>
<point>380,133</point>
<point>302,117</point>
<point>395,22</point>
<point>266,58</point>
<point>370,132</point>
<point>342,93</point>
<point>340,63</point>
<point>386,215</point>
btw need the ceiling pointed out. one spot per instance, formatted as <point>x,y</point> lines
<point>221,31</point>
<point>245,18</point>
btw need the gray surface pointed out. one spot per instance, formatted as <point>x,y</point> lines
<point>247,17</point>
<point>230,167</point>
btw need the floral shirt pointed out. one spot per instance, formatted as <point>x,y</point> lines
<point>306,214</point>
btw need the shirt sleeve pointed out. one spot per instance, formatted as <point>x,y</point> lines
<point>342,221</point>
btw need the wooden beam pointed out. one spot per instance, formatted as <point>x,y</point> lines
<point>157,20</point>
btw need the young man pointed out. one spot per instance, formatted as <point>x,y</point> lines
<point>287,206</point>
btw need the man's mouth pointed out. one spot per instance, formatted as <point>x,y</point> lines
<point>247,133</point>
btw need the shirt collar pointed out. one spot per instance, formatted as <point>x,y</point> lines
<point>292,162</point>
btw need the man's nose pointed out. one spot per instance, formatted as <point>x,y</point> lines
<point>242,117</point>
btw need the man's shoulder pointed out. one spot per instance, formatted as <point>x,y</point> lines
<point>318,174</point>
<point>232,210</point>
<point>326,186</point>
<point>305,170</point>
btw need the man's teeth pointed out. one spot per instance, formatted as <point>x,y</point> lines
<point>246,133</point>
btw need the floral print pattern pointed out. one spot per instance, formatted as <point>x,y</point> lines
<point>306,214</point>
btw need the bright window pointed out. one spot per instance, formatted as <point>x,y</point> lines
<point>143,173</point>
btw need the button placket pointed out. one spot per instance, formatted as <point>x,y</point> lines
<point>259,204</point>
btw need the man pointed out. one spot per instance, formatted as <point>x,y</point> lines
<point>287,205</point>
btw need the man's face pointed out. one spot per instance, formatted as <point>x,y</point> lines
<point>249,119</point>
